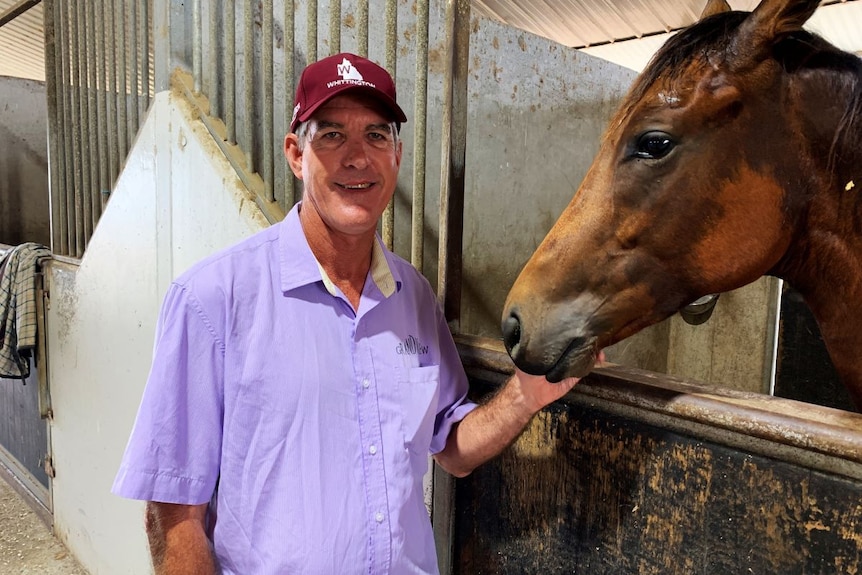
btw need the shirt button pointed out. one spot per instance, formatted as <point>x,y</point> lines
<point>372,450</point>
<point>379,517</point>
<point>365,383</point>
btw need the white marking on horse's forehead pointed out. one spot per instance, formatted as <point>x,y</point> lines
<point>670,98</point>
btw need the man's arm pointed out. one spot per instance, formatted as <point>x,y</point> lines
<point>490,428</point>
<point>178,541</point>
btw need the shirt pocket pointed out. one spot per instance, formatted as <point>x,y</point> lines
<point>419,388</point>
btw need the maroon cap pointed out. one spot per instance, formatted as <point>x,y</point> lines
<point>326,78</point>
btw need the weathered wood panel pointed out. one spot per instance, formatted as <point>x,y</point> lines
<point>589,489</point>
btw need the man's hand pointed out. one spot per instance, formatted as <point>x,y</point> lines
<point>490,428</point>
<point>538,391</point>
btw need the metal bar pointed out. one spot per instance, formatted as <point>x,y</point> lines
<point>98,110</point>
<point>74,129</point>
<point>420,100</point>
<point>88,126</point>
<point>230,69</point>
<point>111,93</point>
<point>362,29</point>
<point>213,58</point>
<point>16,10</point>
<point>311,31</point>
<point>454,143</point>
<point>62,24</point>
<point>122,93</point>
<point>391,17</point>
<point>105,125</point>
<point>134,45</point>
<point>334,26</point>
<point>268,104</point>
<point>248,84</point>
<point>92,126</point>
<point>55,110</point>
<point>41,357</point>
<point>86,152</point>
<point>197,42</point>
<point>145,55</point>
<point>289,88</point>
<point>454,139</point>
<point>164,35</point>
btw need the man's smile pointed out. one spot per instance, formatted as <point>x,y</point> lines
<point>360,186</point>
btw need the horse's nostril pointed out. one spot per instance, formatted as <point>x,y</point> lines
<point>512,333</point>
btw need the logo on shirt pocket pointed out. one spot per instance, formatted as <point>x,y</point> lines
<point>411,346</point>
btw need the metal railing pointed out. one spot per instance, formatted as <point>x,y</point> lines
<point>98,62</point>
<point>253,92</point>
<point>239,63</point>
<point>243,59</point>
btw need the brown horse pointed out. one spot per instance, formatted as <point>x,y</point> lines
<point>737,153</point>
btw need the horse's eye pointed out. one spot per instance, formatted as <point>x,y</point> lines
<point>654,145</point>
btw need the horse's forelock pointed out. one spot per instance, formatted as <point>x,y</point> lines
<point>703,40</point>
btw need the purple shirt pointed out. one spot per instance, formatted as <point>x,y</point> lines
<point>313,422</point>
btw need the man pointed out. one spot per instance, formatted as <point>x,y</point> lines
<point>301,378</point>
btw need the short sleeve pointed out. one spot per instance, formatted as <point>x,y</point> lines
<point>453,404</point>
<point>174,450</point>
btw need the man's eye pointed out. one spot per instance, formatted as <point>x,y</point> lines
<point>330,135</point>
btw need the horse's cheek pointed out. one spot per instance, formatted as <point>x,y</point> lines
<point>748,234</point>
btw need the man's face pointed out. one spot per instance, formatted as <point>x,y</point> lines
<point>349,164</point>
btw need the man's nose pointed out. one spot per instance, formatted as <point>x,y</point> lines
<point>355,153</point>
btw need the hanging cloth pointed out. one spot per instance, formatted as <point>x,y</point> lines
<point>18,324</point>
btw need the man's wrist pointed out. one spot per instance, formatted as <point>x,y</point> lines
<point>524,404</point>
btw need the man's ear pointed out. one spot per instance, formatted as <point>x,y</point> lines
<point>293,154</point>
<point>398,153</point>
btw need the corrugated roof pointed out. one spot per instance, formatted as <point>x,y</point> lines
<point>628,32</point>
<point>22,43</point>
<point>623,31</point>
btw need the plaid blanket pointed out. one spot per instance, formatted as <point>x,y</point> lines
<point>18,324</point>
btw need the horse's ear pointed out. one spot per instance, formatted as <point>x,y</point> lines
<point>715,7</point>
<point>771,22</point>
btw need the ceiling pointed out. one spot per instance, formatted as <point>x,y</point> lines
<point>22,43</point>
<point>626,32</point>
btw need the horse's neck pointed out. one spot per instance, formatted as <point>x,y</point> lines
<point>832,288</point>
<point>824,261</point>
<point>826,105</point>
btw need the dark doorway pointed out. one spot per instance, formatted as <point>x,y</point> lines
<point>803,369</point>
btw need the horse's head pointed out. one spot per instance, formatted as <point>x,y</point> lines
<point>683,199</point>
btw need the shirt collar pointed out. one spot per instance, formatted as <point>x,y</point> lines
<point>299,266</point>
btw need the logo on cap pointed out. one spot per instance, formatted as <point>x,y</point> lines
<point>347,71</point>
<point>349,75</point>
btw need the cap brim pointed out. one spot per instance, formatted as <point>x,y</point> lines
<point>398,114</point>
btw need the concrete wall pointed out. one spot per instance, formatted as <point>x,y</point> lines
<point>24,205</point>
<point>176,201</point>
<point>735,348</point>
